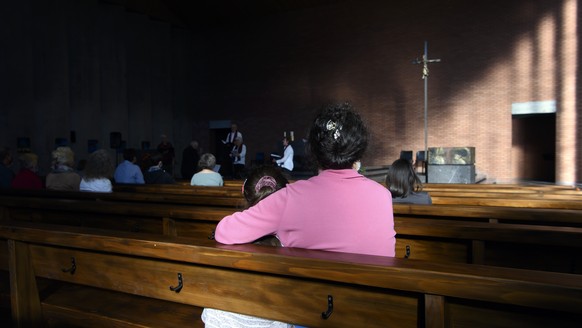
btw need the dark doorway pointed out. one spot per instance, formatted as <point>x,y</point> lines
<point>534,145</point>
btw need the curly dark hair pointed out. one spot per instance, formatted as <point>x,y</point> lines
<point>402,180</point>
<point>99,165</point>
<point>338,137</point>
<point>252,195</point>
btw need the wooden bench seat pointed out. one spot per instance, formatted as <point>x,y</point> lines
<point>437,233</point>
<point>506,186</point>
<point>209,200</point>
<point>225,191</point>
<point>508,202</point>
<point>492,214</point>
<point>490,195</point>
<point>286,284</point>
<point>557,249</point>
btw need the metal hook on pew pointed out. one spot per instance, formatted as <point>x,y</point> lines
<point>178,288</point>
<point>327,313</point>
<point>407,253</point>
<point>73,267</point>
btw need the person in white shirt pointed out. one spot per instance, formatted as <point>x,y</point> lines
<point>238,153</point>
<point>286,162</point>
<point>225,156</point>
<point>232,135</point>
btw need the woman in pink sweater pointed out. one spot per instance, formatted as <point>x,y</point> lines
<point>338,210</point>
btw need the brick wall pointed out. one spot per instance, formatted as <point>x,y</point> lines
<point>95,68</point>
<point>274,73</point>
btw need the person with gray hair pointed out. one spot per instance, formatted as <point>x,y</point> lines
<point>63,175</point>
<point>207,176</point>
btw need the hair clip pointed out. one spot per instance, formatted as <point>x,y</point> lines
<point>265,181</point>
<point>331,125</point>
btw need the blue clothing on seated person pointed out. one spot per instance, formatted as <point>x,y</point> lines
<point>127,172</point>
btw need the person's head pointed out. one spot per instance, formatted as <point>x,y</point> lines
<point>164,138</point>
<point>238,141</point>
<point>194,144</point>
<point>233,127</point>
<point>28,161</point>
<point>63,156</point>
<point>129,155</point>
<point>5,156</point>
<point>207,161</point>
<point>285,141</point>
<point>402,180</point>
<point>338,137</point>
<point>261,182</point>
<point>99,165</point>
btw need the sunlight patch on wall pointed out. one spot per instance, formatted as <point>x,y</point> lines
<point>533,107</point>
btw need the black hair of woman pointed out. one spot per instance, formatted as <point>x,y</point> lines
<point>338,137</point>
<point>402,180</point>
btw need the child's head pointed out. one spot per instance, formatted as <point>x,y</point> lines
<point>261,182</point>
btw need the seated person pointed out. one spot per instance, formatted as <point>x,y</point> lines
<point>237,155</point>
<point>98,171</point>
<point>155,174</point>
<point>26,177</point>
<point>207,176</point>
<point>404,185</point>
<point>338,210</point>
<point>127,171</point>
<point>262,182</point>
<point>63,175</point>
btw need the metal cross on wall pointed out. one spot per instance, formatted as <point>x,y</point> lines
<point>424,63</point>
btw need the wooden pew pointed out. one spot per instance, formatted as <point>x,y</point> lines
<point>546,248</point>
<point>492,214</point>
<point>226,191</point>
<point>508,187</point>
<point>508,202</point>
<point>290,285</point>
<point>168,219</point>
<point>553,197</point>
<point>469,235</point>
<point>194,199</point>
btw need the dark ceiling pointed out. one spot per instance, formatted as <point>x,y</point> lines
<point>208,13</point>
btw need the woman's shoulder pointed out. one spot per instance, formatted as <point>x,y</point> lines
<point>420,197</point>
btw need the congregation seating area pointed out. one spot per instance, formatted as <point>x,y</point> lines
<point>507,252</point>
